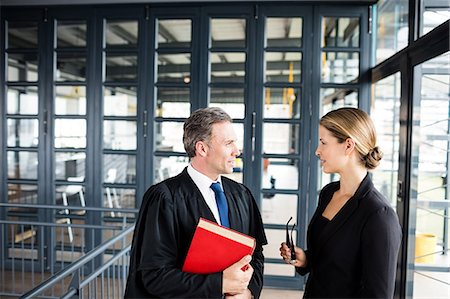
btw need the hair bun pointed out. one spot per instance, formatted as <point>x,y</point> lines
<point>372,159</point>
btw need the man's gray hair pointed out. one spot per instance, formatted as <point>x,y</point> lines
<point>198,127</point>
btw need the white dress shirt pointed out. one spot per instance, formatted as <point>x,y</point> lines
<point>204,185</point>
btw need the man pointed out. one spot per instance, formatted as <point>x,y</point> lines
<point>171,210</point>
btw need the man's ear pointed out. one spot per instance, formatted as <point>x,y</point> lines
<point>201,148</point>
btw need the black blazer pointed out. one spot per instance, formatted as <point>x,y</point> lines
<point>166,223</point>
<point>356,253</point>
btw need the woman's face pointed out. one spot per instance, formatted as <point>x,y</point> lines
<point>331,153</point>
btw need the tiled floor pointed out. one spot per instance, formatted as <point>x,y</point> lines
<point>280,294</point>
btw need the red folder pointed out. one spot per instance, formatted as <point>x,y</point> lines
<point>214,248</point>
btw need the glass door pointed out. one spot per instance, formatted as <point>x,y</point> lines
<point>173,81</point>
<point>430,168</point>
<point>69,114</point>
<point>120,55</point>
<point>282,118</point>
<point>301,79</point>
<point>23,141</point>
<point>228,77</point>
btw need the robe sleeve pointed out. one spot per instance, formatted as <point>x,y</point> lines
<point>159,255</point>
<point>257,231</point>
<point>379,247</point>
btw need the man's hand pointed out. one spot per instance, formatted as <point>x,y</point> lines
<point>235,280</point>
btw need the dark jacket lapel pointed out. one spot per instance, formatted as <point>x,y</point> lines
<point>344,214</point>
<point>192,189</point>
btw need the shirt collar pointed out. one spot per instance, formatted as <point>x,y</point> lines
<point>201,180</point>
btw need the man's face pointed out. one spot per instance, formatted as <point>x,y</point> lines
<point>222,149</point>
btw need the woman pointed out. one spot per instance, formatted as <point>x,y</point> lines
<point>354,235</point>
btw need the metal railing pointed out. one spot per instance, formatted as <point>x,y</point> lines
<point>34,252</point>
<point>93,285</point>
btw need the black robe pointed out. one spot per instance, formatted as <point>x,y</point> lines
<point>166,222</point>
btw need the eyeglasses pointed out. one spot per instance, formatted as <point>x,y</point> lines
<point>289,239</point>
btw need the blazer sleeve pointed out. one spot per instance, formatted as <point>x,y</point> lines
<point>160,254</point>
<point>304,270</point>
<point>380,245</point>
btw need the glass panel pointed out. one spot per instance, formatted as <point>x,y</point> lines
<point>70,133</point>
<point>340,67</point>
<point>70,100</point>
<point>121,67</point>
<point>229,99</point>
<point>22,241</point>
<point>70,166</point>
<point>119,198</point>
<point>71,195</point>
<point>71,34</point>
<point>280,270</point>
<point>121,32</point>
<point>280,138</point>
<point>385,113</point>
<point>333,98</point>
<point>173,102</point>
<point>22,165</point>
<point>23,132</point>
<point>282,103</point>
<point>283,67</point>
<point>274,238</point>
<point>169,136</point>
<point>22,34</point>
<point>340,32</point>
<point>430,191</point>
<point>227,67</point>
<point>239,130</point>
<point>70,242</point>
<point>119,134</point>
<point>392,28</point>
<point>228,33</point>
<point>120,101</point>
<point>277,208</point>
<point>237,174</point>
<point>174,68</point>
<point>284,32</point>
<point>119,169</point>
<point>280,173</point>
<point>22,67</point>
<point>22,100</point>
<point>174,33</point>
<point>434,16</point>
<point>21,193</point>
<point>70,67</point>
<point>166,167</point>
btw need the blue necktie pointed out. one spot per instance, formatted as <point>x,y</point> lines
<point>221,204</point>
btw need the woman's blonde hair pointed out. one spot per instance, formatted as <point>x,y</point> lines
<point>356,124</point>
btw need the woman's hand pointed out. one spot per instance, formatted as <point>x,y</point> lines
<point>300,256</point>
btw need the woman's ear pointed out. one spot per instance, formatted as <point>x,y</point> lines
<point>349,145</point>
